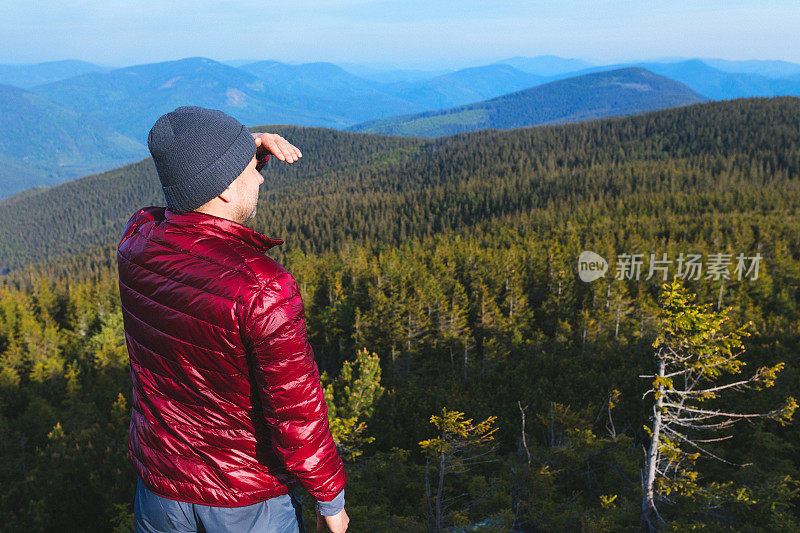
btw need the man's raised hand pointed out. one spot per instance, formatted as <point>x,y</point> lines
<point>276,145</point>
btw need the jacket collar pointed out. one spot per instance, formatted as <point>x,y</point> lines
<point>222,226</point>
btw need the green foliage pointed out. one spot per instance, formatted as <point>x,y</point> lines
<point>350,397</point>
<point>454,262</point>
<point>108,343</point>
<point>385,493</point>
<point>695,347</point>
<point>456,448</point>
<point>456,435</point>
<point>579,478</point>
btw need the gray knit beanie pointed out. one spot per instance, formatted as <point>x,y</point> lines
<point>198,152</point>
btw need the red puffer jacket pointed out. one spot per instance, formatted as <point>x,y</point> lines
<point>227,404</point>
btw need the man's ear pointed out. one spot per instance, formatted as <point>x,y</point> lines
<point>227,195</point>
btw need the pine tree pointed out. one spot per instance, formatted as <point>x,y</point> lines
<point>452,450</point>
<point>350,398</point>
<point>695,347</point>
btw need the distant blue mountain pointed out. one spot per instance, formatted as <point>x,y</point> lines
<point>325,88</point>
<point>126,101</point>
<point>238,62</point>
<point>44,144</point>
<point>29,75</point>
<point>709,81</point>
<point>312,79</point>
<point>465,86</point>
<point>720,85</point>
<point>602,94</point>
<point>770,69</point>
<point>388,74</point>
<point>131,99</point>
<point>323,94</point>
<point>546,65</point>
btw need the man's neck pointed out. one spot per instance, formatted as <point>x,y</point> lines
<point>219,213</point>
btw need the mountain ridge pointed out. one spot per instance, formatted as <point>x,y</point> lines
<point>374,187</point>
<point>46,144</point>
<point>597,95</point>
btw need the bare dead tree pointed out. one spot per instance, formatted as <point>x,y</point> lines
<point>695,347</point>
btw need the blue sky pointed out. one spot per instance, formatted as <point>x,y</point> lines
<point>411,33</point>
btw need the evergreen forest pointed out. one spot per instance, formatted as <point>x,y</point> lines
<point>475,381</point>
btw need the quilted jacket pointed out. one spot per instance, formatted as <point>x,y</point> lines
<point>227,405</point>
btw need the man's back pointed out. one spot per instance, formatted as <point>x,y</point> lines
<point>227,406</point>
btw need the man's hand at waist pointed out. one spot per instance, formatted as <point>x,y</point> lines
<point>332,507</point>
<point>332,514</point>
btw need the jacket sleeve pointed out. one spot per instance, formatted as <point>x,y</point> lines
<point>290,390</point>
<point>332,507</point>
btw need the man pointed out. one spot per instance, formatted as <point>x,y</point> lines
<point>228,413</point>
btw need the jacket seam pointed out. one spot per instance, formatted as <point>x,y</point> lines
<point>172,480</point>
<point>181,402</point>
<point>196,459</point>
<point>175,280</point>
<point>260,290</point>
<point>204,258</point>
<point>247,432</point>
<point>220,234</point>
<point>177,310</point>
<point>279,330</point>
<point>172,337</point>
<point>250,274</point>
<point>249,412</point>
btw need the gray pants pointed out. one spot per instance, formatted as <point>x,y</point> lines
<point>156,514</point>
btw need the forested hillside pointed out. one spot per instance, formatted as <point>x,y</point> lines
<point>43,143</point>
<point>388,189</point>
<point>91,211</point>
<point>99,116</point>
<point>454,261</point>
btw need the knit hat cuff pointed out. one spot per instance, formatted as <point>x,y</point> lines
<point>193,192</point>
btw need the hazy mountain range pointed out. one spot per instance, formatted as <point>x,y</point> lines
<point>618,92</point>
<point>27,76</point>
<point>103,114</point>
<point>718,84</point>
<point>43,143</point>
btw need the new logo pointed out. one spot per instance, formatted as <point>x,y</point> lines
<point>591,266</point>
